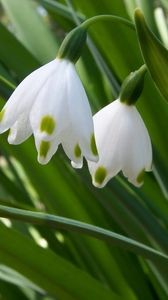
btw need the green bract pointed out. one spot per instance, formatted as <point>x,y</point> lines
<point>72,45</point>
<point>132,86</point>
<point>154,53</point>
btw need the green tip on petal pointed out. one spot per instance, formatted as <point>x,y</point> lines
<point>93,145</point>
<point>140,177</point>
<point>47,124</point>
<point>77,151</point>
<point>10,131</point>
<point>2,115</point>
<point>100,175</point>
<point>44,148</point>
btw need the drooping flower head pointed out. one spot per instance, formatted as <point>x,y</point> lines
<point>52,104</point>
<point>122,140</point>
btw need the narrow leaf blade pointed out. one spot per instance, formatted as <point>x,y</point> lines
<point>154,53</point>
<point>94,231</point>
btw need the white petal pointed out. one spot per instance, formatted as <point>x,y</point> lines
<point>20,131</point>
<point>24,95</point>
<point>49,115</point>
<point>72,148</point>
<point>107,129</point>
<point>137,150</point>
<point>77,165</point>
<point>46,149</point>
<point>80,113</point>
<point>123,143</point>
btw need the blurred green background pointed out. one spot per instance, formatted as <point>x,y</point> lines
<point>49,260</point>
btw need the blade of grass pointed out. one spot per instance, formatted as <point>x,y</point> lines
<point>18,59</point>
<point>69,224</point>
<point>34,35</point>
<point>35,263</point>
<point>9,275</point>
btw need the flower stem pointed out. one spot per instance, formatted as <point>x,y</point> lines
<point>111,18</point>
<point>73,43</point>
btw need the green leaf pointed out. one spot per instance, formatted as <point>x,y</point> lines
<point>7,83</point>
<point>154,53</point>
<point>164,3</point>
<point>9,291</point>
<point>46,269</point>
<point>34,34</point>
<point>147,7</point>
<point>14,55</point>
<point>11,276</point>
<point>60,9</point>
<point>140,214</point>
<point>73,225</point>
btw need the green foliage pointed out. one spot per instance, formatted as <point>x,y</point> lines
<point>154,53</point>
<point>99,244</point>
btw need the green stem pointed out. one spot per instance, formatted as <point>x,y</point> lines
<point>91,230</point>
<point>111,18</point>
<point>73,43</point>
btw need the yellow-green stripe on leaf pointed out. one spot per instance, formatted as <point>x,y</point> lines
<point>154,53</point>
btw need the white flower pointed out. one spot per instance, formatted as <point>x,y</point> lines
<point>123,144</point>
<point>52,104</point>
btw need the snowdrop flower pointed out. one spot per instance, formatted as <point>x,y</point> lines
<point>52,104</point>
<point>123,144</point>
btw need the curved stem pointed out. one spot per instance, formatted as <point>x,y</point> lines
<point>111,18</point>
